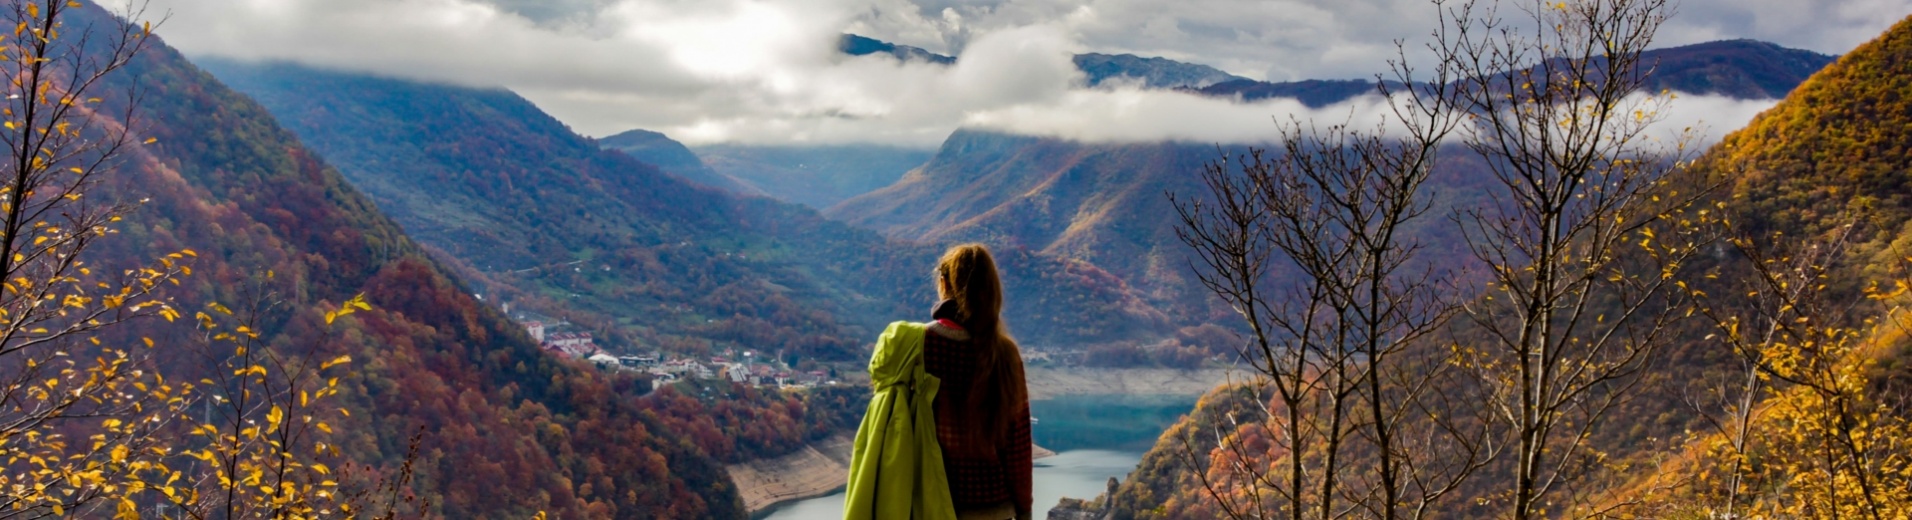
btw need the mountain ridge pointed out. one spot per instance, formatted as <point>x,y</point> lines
<point>221,177</point>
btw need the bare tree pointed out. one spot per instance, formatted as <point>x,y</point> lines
<point>1311,246</point>
<point>1586,235</point>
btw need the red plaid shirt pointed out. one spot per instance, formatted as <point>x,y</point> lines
<point>983,470</point>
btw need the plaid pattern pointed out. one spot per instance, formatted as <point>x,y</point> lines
<point>983,470</point>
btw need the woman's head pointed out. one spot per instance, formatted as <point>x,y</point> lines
<point>967,276</point>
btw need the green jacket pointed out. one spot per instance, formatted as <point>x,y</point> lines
<point>896,471</point>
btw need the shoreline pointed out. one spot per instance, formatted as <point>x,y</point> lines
<point>821,468</point>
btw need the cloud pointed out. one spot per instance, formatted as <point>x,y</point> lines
<point>1128,114</point>
<point>767,72</point>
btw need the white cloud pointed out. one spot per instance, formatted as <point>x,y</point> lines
<point>1128,114</point>
<point>766,71</point>
<point>1706,119</point>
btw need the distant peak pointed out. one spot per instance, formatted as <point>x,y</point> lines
<point>856,45</point>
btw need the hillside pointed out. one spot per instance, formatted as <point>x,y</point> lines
<point>547,219</point>
<point>1831,151</point>
<point>1098,203</point>
<point>1156,73</point>
<point>674,158</point>
<point>814,176</point>
<point>1740,69</point>
<point>1104,203</point>
<point>508,430</point>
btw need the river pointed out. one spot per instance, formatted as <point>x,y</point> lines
<point>1095,437</point>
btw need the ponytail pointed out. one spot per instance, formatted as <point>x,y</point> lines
<point>967,275</point>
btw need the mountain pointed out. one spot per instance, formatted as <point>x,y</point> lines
<point>1099,203</point>
<point>861,46</point>
<point>1101,69</point>
<point>1104,203</point>
<point>1313,93</point>
<point>1154,73</point>
<point>814,176</point>
<point>545,218</point>
<point>672,157</point>
<point>1741,69</point>
<point>1832,152</point>
<point>508,430</point>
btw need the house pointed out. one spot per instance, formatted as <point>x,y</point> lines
<point>536,328</point>
<point>675,367</point>
<point>604,360</point>
<point>737,373</point>
<point>812,378</point>
<point>640,361</point>
<point>690,368</point>
<point>576,345</point>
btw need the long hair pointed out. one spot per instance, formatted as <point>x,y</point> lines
<point>967,275</point>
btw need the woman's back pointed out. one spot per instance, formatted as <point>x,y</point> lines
<point>987,465</point>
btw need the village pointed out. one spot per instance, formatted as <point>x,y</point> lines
<point>750,368</point>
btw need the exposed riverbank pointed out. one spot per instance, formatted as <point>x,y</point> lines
<point>818,469</point>
<point>822,467</point>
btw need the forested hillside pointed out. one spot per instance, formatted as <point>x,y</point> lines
<point>551,221</point>
<point>1787,390</point>
<point>816,176</point>
<point>507,430</point>
<point>1105,203</point>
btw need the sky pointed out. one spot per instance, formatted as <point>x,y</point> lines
<point>767,72</point>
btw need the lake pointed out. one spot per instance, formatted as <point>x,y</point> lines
<point>1095,437</point>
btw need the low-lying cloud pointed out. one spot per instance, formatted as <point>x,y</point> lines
<point>1125,115</point>
<point>707,71</point>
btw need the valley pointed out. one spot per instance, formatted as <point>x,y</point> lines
<point>639,276</point>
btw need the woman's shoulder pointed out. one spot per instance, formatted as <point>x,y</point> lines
<point>948,330</point>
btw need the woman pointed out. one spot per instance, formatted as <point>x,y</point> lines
<point>962,373</point>
<point>982,409</point>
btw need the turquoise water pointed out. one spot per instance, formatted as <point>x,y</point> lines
<point>1095,437</point>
